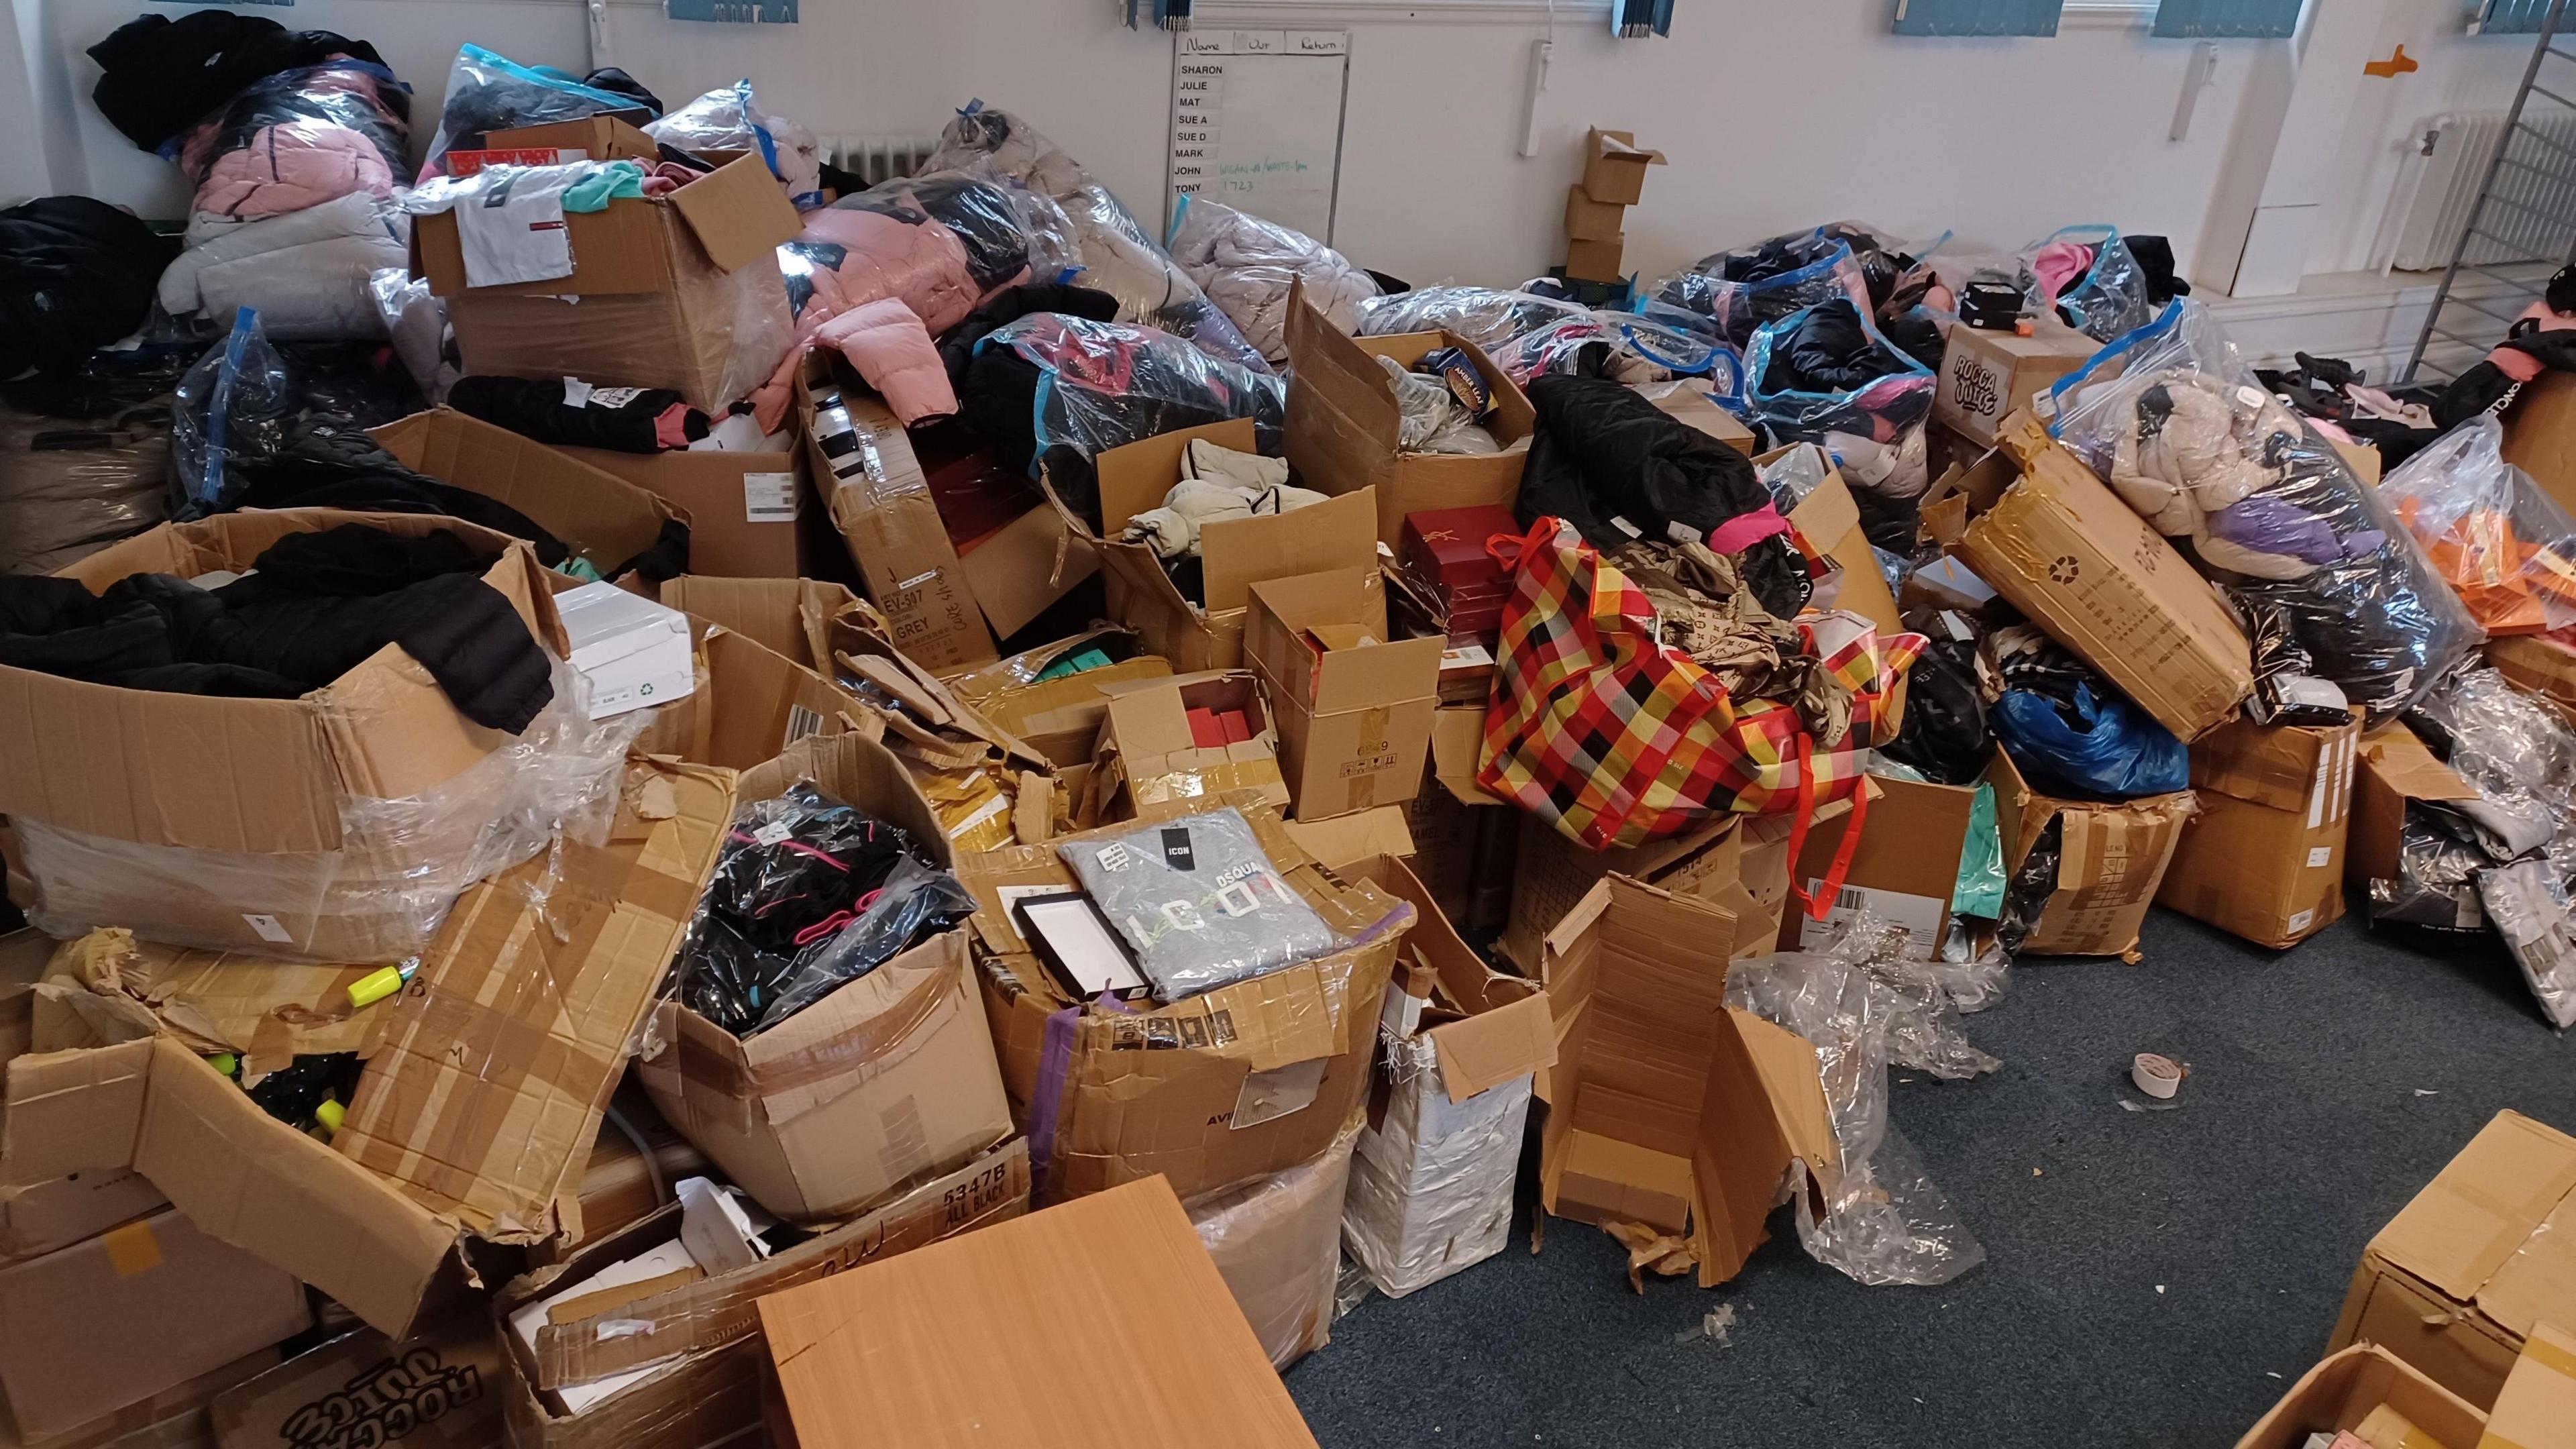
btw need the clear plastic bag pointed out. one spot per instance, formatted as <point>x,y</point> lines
<point>417,323</point>
<point>2506,548</point>
<point>71,486</point>
<point>1246,266</point>
<point>1788,402</point>
<point>1199,903</point>
<point>1483,315</point>
<point>992,142</point>
<point>2177,423</point>
<point>350,116</point>
<point>232,405</point>
<point>1110,383</point>
<point>2087,274</point>
<point>1743,290</point>
<point>1277,1243</point>
<point>729,118</point>
<point>1638,349</point>
<point>489,92</point>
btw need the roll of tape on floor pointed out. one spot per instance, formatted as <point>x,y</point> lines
<point>2158,1077</point>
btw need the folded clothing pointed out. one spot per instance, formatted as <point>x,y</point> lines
<point>566,414</point>
<point>312,607</point>
<point>1217,484</point>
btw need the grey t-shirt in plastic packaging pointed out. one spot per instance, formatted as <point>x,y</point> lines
<point>1198,901</point>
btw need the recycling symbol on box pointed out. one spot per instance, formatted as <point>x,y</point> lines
<point>2061,569</point>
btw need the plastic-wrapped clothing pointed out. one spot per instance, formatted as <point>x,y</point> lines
<point>1601,452</point>
<point>990,141</point>
<point>1482,315</point>
<point>2521,756</point>
<point>1230,916</point>
<point>1217,484</point>
<point>2174,420</point>
<point>1827,370</point>
<point>1744,290</point>
<point>623,420</point>
<point>161,76</point>
<point>309,274</point>
<point>300,138</point>
<point>1901,469</point>
<point>1622,346</point>
<point>489,92</point>
<point>71,486</point>
<point>867,247</point>
<point>2092,280</point>
<point>885,341</point>
<point>1246,266</point>
<point>1429,417</point>
<point>2507,548</point>
<point>957,345</point>
<point>730,118</point>
<point>2069,732</point>
<point>1945,734</point>
<point>75,275</point>
<point>612,80</point>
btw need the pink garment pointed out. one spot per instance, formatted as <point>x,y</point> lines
<point>859,256</point>
<point>886,342</point>
<point>2060,265</point>
<point>671,425</point>
<point>289,167</point>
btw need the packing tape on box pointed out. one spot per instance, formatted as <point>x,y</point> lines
<point>2158,1077</point>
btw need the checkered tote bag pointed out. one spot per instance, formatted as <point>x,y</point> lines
<point>1597,728</point>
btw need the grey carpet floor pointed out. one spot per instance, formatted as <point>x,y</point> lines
<point>2152,1279</point>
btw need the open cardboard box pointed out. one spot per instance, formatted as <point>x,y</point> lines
<point>2059,545</point>
<point>604,520</point>
<point>1354,706</point>
<point>2395,766</point>
<point>2537,666</point>
<point>2113,856</point>
<point>480,1100</point>
<point>113,793</point>
<point>1059,718</point>
<point>2263,857</point>
<point>1342,424</point>
<point>1738,863</point>
<point>1148,754</point>
<point>1614,167</point>
<point>1829,521</point>
<point>886,1080</point>
<point>2367,1386</point>
<point>1905,868</point>
<point>743,507</point>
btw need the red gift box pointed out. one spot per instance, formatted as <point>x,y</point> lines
<point>1445,549</point>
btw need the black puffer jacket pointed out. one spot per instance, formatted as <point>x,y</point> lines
<point>75,275</point>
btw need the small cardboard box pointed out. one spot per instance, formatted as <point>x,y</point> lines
<point>2350,1388</point>
<point>140,1309</point>
<point>1595,261</point>
<point>1614,167</point>
<point>881,505</point>
<point>2395,766</point>
<point>1059,717</point>
<point>633,653</point>
<point>2060,546</point>
<point>2263,859</point>
<point>1234,554</point>
<point>1590,220</point>
<point>438,1389</point>
<point>969,1340</point>
<point>1354,706</point>
<point>1342,422</point>
<point>1667,1107</point>
<point>2540,435</point>
<point>605,520</point>
<point>885,1081</point>
<point>1988,376</point>
<point>743,508</point>
<point>2112,858</point>
<point>101,779</point>
<point>699,1349</point>
<point>1212,1091</point>
<point>1148,753</point>
<point>2457,1280</point>
<point>1904,869</point>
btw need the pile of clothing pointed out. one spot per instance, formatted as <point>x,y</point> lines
<point>1247,267</point>
<point>2337,398</point>
<point>1827,370</point>
<point>1489,318</point>
<point>488,92</point>
<point>1217,484</point>
<point>1443,403</point>
<point>2068,731</point>
<point>730,118</point>
<point>2506,548</point>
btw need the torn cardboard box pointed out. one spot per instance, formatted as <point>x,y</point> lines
<point>2059,545</point>
<point>1739,863</point>
<point>2395,767</point>
<point>1183,739</point>
<point>2111,858</point>
<point>438,1389</point>
<point>81,1202</point>
<point>129,809</point>
<point>2457,1280</point>
<point>2263,856</point>
<point>744,507</point>
<point>1050,697</point>
<point>1211,1091</point>
<point>604,520</point>
<point>1354,705</point>
<point>1666,1107</point>
<point>694,1350</point>
<point>885,1081</point>
<point>966,1340</point>
<point>1342,424</point>
<point>2370,1396</point>
<point>1904,870</point>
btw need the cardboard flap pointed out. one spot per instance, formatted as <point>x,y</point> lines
<point>598,515</point>
<point>1134,477</point>
<point>1494,1047</point>
<point>2401,760</point>
<point>1457,738</point>
<point>1353,840</point>
<point>1339,533</point>
<point>739,212</point>
<point>1795,1090</point>
<point>2537,1407</point>
<point>2477,1212</point>
<point>73,1111</point>
<point>1359,391</point>
<point>2339,1393</point>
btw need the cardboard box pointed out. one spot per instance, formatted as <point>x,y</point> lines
<point>109,987</point>
<point>1277,1242</point>
<point>2540,435</point>
<point>1689,399</point>
<point>1465,841</point>
<point>2349,1388</point>
<point>2060,546</point>
<point>603,519</point>
<point>2263,858</point>
<point>968,1340</point>
<point>1342,425</point>
<point>91,1328</point>
<point>2537,1408</point>
<point>40,1217</point>
<point>1904,869</point>
<point>1209,1092</point>
<point>702,1351</point>
<point>2457,1280</point>
<point>1667,1107</point>
<point>2394,767</point>
<point>1614,167</point>
<point>879,502</point>
<point>1149,754</point>
<point>1740,864</point>
<point>1595,261</point>
<point>743,508</point>
<point>1354,706</point>
<point>2112,858</point>
<point>1060,718</point>
<point>1829,520</point>
<point>113,793</point>
<point>438,1389</point>
<point>752,703</point>
<point>1355,842</point>
<point>617,1190</point>
<point>1590,220</point>
<point>633,653</point>
<point>175,1418</point>
<point>1988,376</point>
<point>2538,666</point>
<point>1234,554</point>
<point>887,1080</point>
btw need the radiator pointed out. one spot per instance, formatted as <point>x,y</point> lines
<point>2439,187</point>
<point>879,158</point>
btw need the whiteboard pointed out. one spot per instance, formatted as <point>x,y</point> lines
<point>1257,123</point>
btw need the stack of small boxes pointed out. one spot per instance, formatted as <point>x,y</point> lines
<point>1596,208</point>
<point>1447,564</point>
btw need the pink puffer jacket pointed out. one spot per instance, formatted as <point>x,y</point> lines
<point>893,352</point>
<point>291,166</point>
<point>861,256</point>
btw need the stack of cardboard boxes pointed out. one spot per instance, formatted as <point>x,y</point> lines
<point>1596,206</point>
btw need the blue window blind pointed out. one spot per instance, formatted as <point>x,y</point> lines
<point>2516,17</point>
<point>2228,19</point>
<point>1977,17</point>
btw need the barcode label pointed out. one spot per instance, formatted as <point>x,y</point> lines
<point>270,929</point>
<point>1848,899</point>
<point>769,497</point>
<point>2319,855</point>
<point>800,723</point>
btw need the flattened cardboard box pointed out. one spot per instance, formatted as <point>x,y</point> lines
<point>1211,1091</point>
<point>151,769</point>
<point>1666,1106</point>
<point>1355,706</point>
<point>2059,545</point>
<point>605,520</point>
<point>1342,424</point>
<point>965,1341</point>
<point>2263,858</point>
<point>1059,718</point>
<point>2455,1282</point>
<point>2348,1387</point>
<point>886,1080</point>
<point>2112,858</point>
<point>704,1342</point>
<point>438,1389</point>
